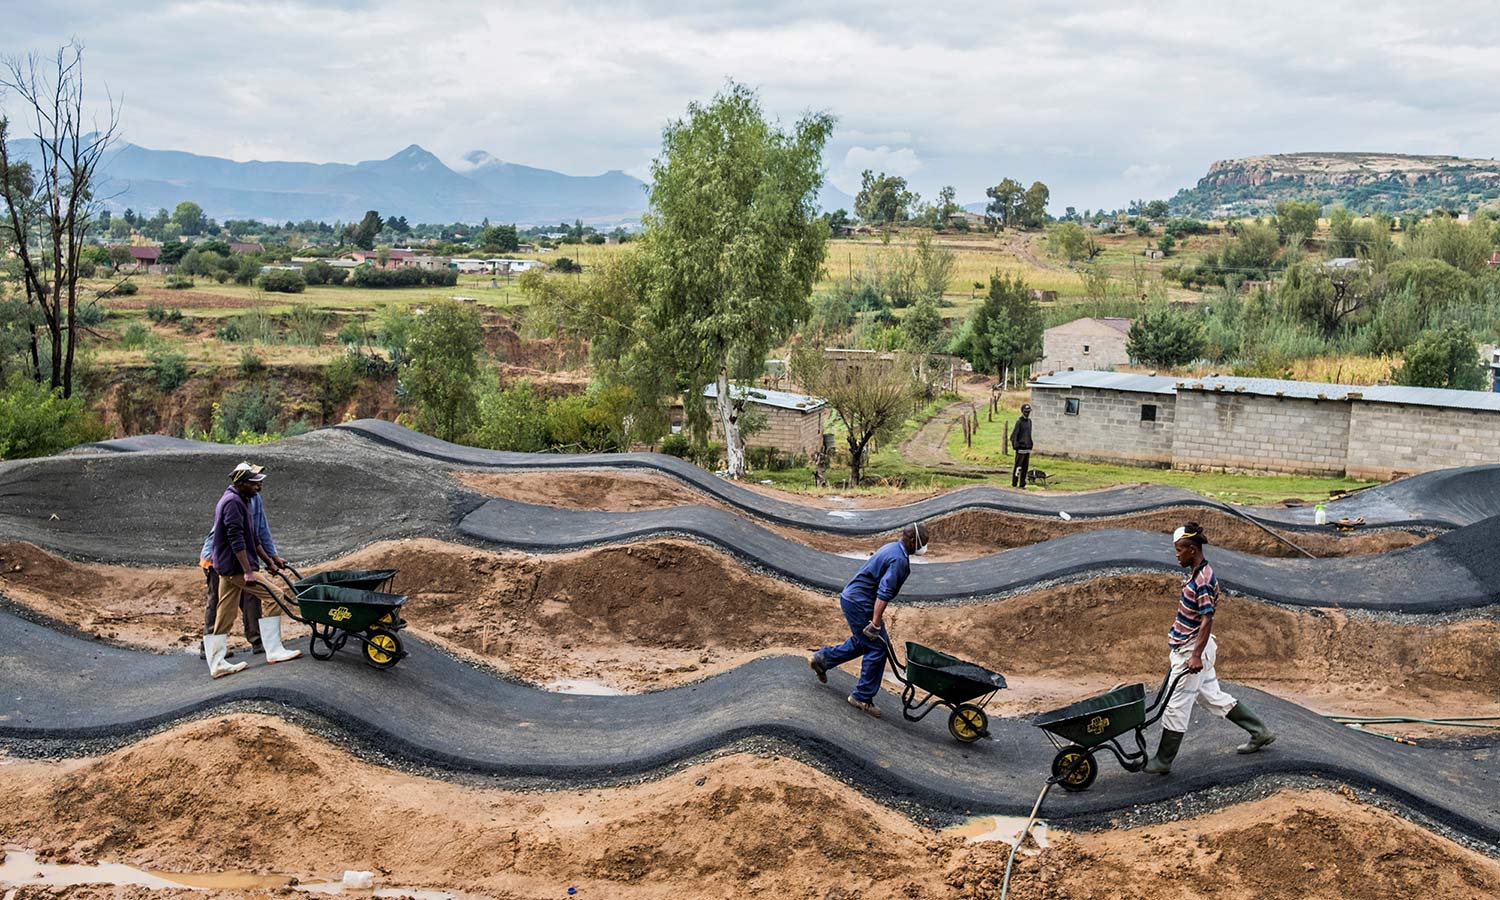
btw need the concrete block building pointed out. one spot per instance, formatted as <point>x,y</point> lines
<point>794,422</point>
<point>1092,344</point>
<point>1262,425</point>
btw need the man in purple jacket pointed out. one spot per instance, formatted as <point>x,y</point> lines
<point>236,553</point>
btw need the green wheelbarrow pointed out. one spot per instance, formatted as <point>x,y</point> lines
<point>339,614</point>
<point>965,688</point>
<point>360,579</point>
<point>1100,722</point>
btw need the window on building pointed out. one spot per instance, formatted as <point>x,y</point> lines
<point>1070,406</point>
<point>1148,412</point>
<point>1085,348</point>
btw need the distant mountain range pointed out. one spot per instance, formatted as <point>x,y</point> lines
<point>1363,182</point>
<point>413,183</point>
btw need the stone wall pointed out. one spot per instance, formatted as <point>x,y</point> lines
<point>788,430</point>
<point>1387,439</point>
<point>1108,426</point>
<point>1218,431</point>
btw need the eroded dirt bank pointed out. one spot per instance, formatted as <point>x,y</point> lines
<point>963,535</point>
<point>662,613</point>
<point>255,793</point>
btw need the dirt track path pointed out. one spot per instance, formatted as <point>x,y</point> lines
<point>929,445</point>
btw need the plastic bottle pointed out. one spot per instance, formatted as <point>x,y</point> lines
<point>1320,515</point>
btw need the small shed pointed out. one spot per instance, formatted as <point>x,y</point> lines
<point>794,422</point>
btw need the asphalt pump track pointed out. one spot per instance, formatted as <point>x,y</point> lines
<point>436,711</point>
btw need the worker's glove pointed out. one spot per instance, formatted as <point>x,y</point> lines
<point>872,631</point>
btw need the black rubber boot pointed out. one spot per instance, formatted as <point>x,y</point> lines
<point>1161,763</point>
<point>1260,735</point>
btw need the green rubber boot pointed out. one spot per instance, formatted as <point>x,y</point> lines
<point>1260,735</point>
<point>1161,763</point>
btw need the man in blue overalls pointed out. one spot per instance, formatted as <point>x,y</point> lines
<point>863,600</point>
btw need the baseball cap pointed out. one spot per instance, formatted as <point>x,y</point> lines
<point>246,472</point>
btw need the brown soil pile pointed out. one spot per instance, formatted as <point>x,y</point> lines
<point>660,613</point>
<point>249,792</point>
<point>963,535</point>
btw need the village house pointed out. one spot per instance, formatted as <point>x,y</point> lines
<point>794,422</point>
<point>1086,344</point>
<point>1262,425</point>
<point>143,256</point>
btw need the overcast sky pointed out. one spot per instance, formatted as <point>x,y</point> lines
<point>1103,101</point>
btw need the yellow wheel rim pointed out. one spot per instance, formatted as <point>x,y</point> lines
<point>1080,774</point>
<point>381,648</point>
<point>968,724</point>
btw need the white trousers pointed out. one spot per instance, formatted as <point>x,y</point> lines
<point>1202,686</point>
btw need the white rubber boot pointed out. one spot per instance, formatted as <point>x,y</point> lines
<point>214,647</point>
<point>270,638</point>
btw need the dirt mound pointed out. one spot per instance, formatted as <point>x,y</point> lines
<point>963,535</point>
<point>254,793</point>
<point>660,613</point>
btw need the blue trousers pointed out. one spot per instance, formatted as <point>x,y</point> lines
<point>858,616</point>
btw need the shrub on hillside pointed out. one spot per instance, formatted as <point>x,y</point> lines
<point>123,289</point>
<point>178,282</point>
<point>283,281</point>
<point>36,421</point>
<point>250,409</point>
<point>168,369</point>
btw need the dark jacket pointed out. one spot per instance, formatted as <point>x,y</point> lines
<point>1020,436</point>
<point>234,529</point>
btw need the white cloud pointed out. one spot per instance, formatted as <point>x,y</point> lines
<point>962,94</point>
<point>902,161</point>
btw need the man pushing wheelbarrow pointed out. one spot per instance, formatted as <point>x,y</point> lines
<point>864,600</point>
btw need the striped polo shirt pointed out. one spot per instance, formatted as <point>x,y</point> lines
<point>1200,593</point>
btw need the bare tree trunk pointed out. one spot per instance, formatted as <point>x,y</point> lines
<point>734,452</point>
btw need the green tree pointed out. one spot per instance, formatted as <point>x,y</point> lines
<point>871,407</point>
<point>1032,212</point>
<point>1069,241</point>
<point>1005,332</point>
<point>36,420</point>
<point>883,199</point>
<point>1443,358</point>
<point>1297,218</point>
<point>500,237</point>
<point>190,218</point>
<point>362,234</point>
<point>512,419</point>
<point>732,245</point>
<point>1156,209</point>
<point>1005,201</point>
<point>442,367</point>
<point>934,267</point>
<point>1165,336</point>
<point>947,204</point>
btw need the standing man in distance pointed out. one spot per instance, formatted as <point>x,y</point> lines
<point>863,601</point>
<point>1020,441</point>
<point>251,608</point>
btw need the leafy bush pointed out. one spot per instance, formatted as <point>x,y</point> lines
<point>37,421</point>
<point>250,363</point>
<point>135,336</point>
<point>1166,337</point>
<point>1443,358</point>
<point>566,265</point>
<point>676,445</point>
<point>178,282</point>
<point>283,281</point>
<point>306,326</point>
<point>168,369</point>
<point>338,276</point>
<point>248,410</point>
<point>317,272</point>
<point>123,289</point>
<point>157,313</point>
<point>229,331</point>
<point>512,419</point>
<point>353,334</point>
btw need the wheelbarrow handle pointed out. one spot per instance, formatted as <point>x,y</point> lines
<point>1158,707</point>
<point>898,668</point>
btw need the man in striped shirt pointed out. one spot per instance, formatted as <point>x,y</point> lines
<point>1193,652</point>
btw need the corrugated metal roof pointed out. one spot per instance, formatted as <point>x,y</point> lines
<point>779,399</point>
<point>1112,381</point>
<point>1272,387</point>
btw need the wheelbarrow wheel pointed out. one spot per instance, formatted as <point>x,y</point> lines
<point>968,723</point>
<point>382,648</point>
<point>1082,776</point>
<point>321,634</point>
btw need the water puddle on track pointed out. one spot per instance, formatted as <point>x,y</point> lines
<point>1006,829</point>
<point>21,869</point>
<point>585,687</point>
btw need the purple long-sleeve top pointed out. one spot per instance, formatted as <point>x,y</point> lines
<point>234,530</point>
